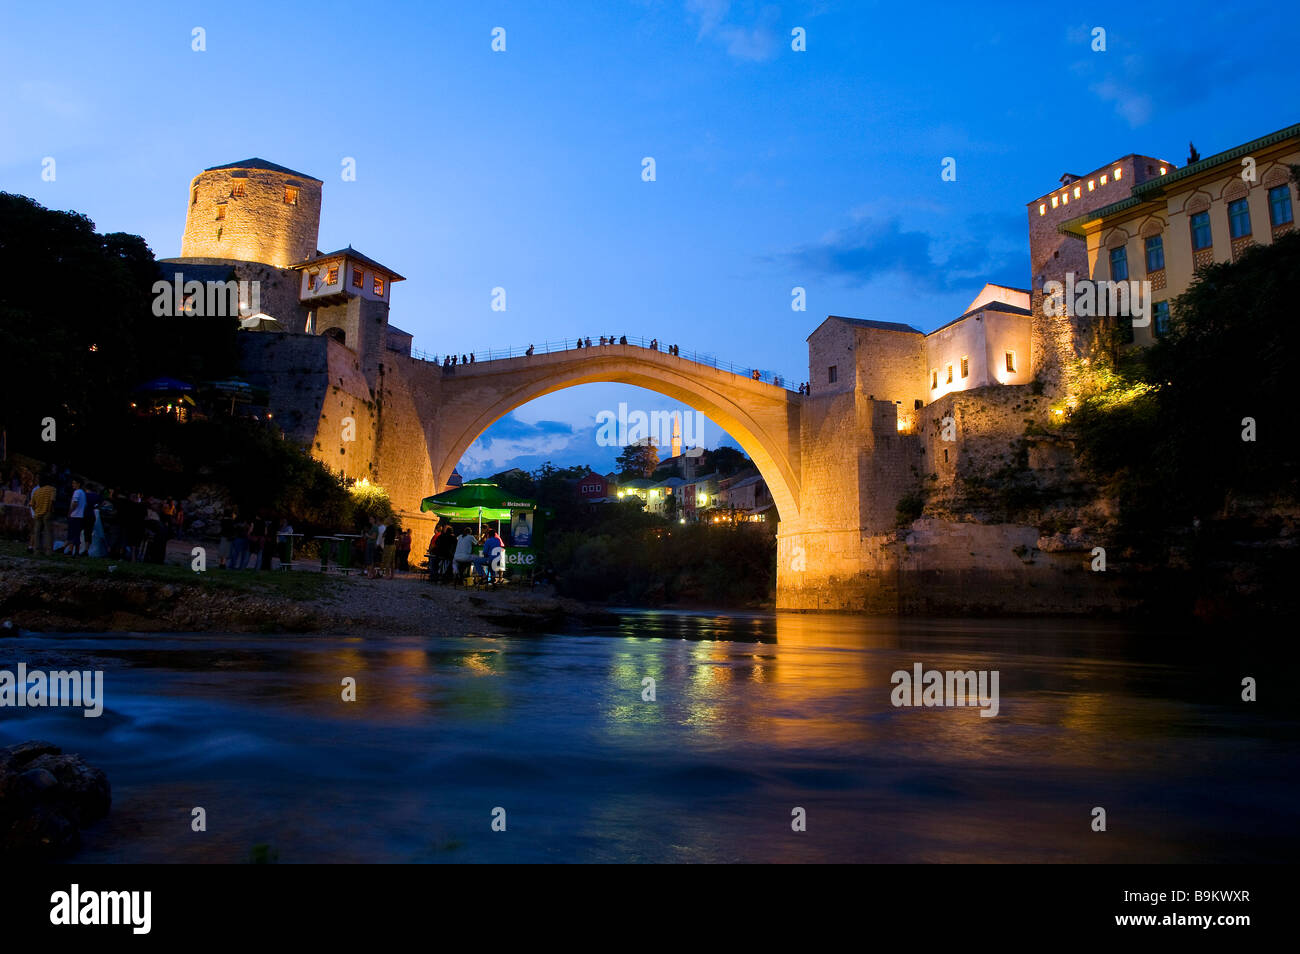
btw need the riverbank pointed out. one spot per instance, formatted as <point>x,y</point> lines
<point>60,594</point>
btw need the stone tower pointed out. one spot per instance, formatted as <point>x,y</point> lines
<point>252,211</point>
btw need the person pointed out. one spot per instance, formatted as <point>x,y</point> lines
<point>464,360</point>
<point>445,551</point>
<point>227,537</point>
<point>377,555</point>
<point>622,339</point>
<point>529,352</point>
<point>390,551</point>
<point>133,513</point>
<point>404,551</point>
<point>42,507</point>
<point>579,344</point>
<point>492,545</point>
<point>256,542</point>
<point>98,535</point>
<point>178,517</point>
<point>238,542</point>
<point>464,555</point>
<point>76,519</point>
<point>111,515</point>
<point>588,342</point>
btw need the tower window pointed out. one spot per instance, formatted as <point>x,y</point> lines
<point>332,276</point>
<point>832,373</point>
<point>237,189</point>
<point>1103,180</point>
<point>379,285</point>
<point>1011,362</point>
<point>934,378</point>
<point>1078,192</point>
<point>1119,173</point>
<point>221,212</point>
<point>1042,208</point>
<point>1092,184</point>
<point>965,367</point>
<point>949,381</point>
<point>290,195</point>
<point>1279,204</point>
<point>311,280</point>
<point>1055,202</point>
<point>1239,218</point>
<point>194,196</point>
<point>358,278</point>
<point>1155,253</point>
<point>1201,237</point>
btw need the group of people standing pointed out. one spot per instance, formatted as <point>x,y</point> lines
<point>244,541</point>
<point>451,556</point>
<point>386,549</point>
<point>108,524</point>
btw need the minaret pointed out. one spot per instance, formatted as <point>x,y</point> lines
<point>677,434</point>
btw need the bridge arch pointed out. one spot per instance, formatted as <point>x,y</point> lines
<point>761,417</point>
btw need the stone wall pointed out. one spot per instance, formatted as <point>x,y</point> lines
<point>258,226</point>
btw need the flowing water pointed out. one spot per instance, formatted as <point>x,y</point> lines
<point>753,718</point>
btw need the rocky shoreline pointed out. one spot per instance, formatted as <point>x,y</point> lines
<point>46,798</point>
<point>47,595</point>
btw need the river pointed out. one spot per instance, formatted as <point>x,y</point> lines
<point>754,716</point>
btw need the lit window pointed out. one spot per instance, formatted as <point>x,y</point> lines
<point>1065,198</point>
<point>1119,264</point>
<point>1103,180</point>
<point>832,373</point>
<point>1042,208</point>
<point>1155,253</point>
<point>1119,173</point>
<point>221,212</point>
<point>379,285</point>
<point>965,367</point>
<point>949,381</point>
<point>934,379</point>
<point>1163,170</point>
<point>1092,184</point>
<point>290,195</point>
<point>194,197</point>
<point>1201,237</point>
<point>1054,202</point>
<point>237,189</point>
<point>1011,361</point>
<point>1078,192</point>
<point>1162,318</point>
<point>1279,205</point>
<point>218,233</point>
<point>311,280</point>
<point>1238,218</point>
<point>358,278</point>
<point>332,276</point>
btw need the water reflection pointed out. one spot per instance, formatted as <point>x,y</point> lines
<point>751,716</point>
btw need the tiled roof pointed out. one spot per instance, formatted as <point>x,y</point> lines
<point>261,164</point>
<point>351,253</point>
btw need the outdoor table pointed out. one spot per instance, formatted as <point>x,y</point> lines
<point>345,551</point>
<point>285,543</point>
<point>326,545</point>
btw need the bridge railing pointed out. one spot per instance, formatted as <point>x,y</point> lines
<point>572,344</point>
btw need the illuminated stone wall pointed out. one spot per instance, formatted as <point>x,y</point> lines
<point>257,226</point>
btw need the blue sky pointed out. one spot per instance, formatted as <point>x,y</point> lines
<point>522,169</point>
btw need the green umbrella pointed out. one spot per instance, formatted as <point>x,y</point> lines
<point>475,500</point>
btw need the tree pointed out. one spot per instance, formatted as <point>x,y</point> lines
<point>727,460</point>
<point>638,460</point>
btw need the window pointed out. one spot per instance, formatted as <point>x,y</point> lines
<point>358,278</point>
<point>1201,231</point>
<point>949,381</point>
<point>1054,202</point>
<point>1042,208</point>
<point>1011,361</point>
<point>290,195</point>
<point>1279,204</point>
<point>934,379</point>
<point>1092,184</point>
<point>237,189</point>
<point>219,233</point>
<point>332,276</point>
<point>965,367</point>
<point>1161,318</point>
<point>194,197</point>
<point>832,374</point>
<point>221,212</point>
<point>1065,198</point>
<point>1119,264</point>
<point>311,280</point>
<point>1103,180</point>
<point>1155,253</point>
<point>1078,192</point>
<point>1118,173</point>
<point>1238,218</point>
<point>379,285</point>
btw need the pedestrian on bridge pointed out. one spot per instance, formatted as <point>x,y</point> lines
<point>529,352</point>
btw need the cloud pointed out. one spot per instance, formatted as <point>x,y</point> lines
<point>872,248</point>
<point>511,442</point>
<point>755,38</point>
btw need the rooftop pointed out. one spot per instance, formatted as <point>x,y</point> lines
<point>353,254</point>
<point>261,164</point>
<point>872,323</point>
<point>999,306</point>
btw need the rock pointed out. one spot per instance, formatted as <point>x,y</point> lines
<point>46,797</point>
